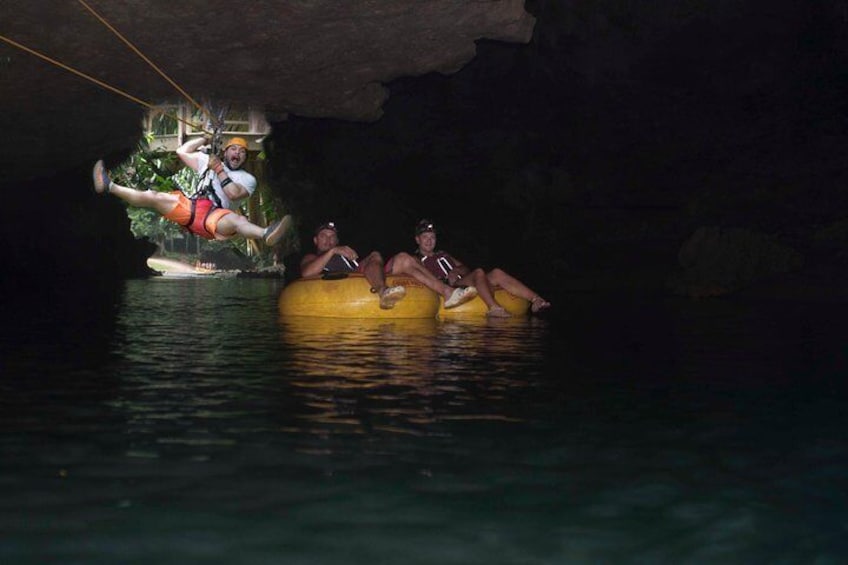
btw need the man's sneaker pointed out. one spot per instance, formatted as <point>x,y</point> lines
<point>275,232</point>
<point>102,182</point>
<point>390,296</point>
<point>460,296</point>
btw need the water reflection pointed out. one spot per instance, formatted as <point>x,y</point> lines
<point>407,376</point>
<point>191,414</point>
<point>68,326</point>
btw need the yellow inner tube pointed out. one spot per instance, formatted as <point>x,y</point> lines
<point>351,297</point>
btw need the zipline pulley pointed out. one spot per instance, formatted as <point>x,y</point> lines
<point>215,125</point>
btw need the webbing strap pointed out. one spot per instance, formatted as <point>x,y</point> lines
<point>207,190</point>
<point>193,213</point>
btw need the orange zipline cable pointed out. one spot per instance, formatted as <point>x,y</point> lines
<point>92,79</point>
<point>108,86</point>
<point>76,72</point>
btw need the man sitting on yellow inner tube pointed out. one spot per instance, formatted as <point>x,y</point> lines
<point>453,272</point>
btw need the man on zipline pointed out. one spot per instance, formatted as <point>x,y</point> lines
<point>210,214</point>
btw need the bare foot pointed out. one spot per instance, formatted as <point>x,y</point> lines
<point>538,303</point>
<point>102,182</point>
<point>498,312</point>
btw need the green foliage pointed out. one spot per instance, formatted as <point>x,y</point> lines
<point>164,124</point>
<point>147,223</point>
<point>148,168</point>
<point>155,168</point>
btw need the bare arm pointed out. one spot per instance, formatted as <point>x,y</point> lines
<point>236,191</point>
<point>313,264</point>
<point>232,189</point>
<point>459,270</point>
<point>188,152</point>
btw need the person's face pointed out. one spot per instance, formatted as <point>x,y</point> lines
<point>325,240</point>
<point>235,156</point>
<point>426,242</point>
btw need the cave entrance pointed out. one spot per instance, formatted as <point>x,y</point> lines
<point>171,125</point>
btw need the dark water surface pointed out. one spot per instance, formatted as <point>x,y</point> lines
<point>188,424</point>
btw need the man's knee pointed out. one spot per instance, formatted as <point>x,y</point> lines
<point>374,256</point>
<point>477,274</point>
<point>496,275</point>
<point>230,221</point>
<point>401,261</point>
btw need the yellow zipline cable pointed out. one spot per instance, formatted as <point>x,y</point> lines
<point>144,57</point>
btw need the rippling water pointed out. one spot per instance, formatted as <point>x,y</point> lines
<point>187,423</point>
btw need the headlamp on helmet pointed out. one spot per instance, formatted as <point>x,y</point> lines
<point>326,226</point>
<point>424,226</point>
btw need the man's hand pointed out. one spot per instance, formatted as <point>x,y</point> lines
<point>206,144</point>
<point>346,251</point>
<point>215,163</point>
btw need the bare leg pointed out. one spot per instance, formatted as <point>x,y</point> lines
<point>502,279</point>
<point>406,264</point>
<point>233,224</point>
<point>161,202</point>
<point>372,268</point>
<point>484,289</point>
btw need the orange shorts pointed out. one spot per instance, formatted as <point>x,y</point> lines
<point>206,216</point>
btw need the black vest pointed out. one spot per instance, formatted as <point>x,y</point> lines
<point>340,264</point>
